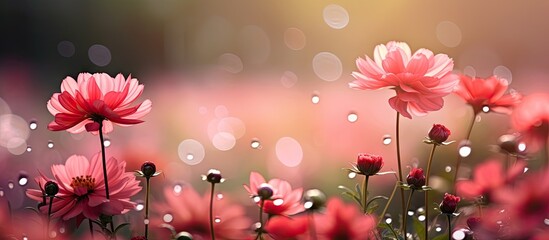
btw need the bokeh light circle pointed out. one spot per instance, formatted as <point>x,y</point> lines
<point>294,38</point>
<point>327,66</point>
<point>191,151</point>
<point>335,16</point>
<point>289,151</point>
<point>448,33</point>
<point>99,55</point>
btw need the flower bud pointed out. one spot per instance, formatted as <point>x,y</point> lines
<point>449,203</point>
<point>51,188</point>
<point>314,199</point>
<point>508,144</point>
<point>416,178</point>
<point>148,169</point>
<point>439,133</point>
<point>265,191</point>
<point>214,176</point>
<point>369,164</point>
<point>183,236</point>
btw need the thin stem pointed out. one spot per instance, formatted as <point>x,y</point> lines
<point>91,227</point>
<point>312,228</point>
<point>260,230</point>
<point>211,212</point>
<point>545,151</point>
<point>479,209</point>
<point>403,205</point>
<point>388,203</point>
<point>147,193</point>
<point>458,162</point>
<point>365,194</point>
<point>104,159</point>
<point>427,174</point>
<point>407,209</point>
<point>49,216</point>
<point>449,226</point>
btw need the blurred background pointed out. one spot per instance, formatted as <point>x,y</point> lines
<point>245,86</point>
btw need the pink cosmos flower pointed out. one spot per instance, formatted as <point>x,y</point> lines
<point>531,119</point>
<point>489,92</point>
<point>344,221</point>
<point>420,79</point>
<point>82,188</point>
<point>190,213</point>
<point>82,104</point>
<point>284,200</point>
<point>487,178</point>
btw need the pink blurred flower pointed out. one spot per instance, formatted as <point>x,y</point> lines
<point>284,200</point>
<point>190,213</point>
<point>82,189</point>
<point>487,178</point>
<point>420,80</point>
<point>531,119</point>
<point>282,227</point>
<point>82,104</point>
<point>489,92</point>
<point>344,221</point>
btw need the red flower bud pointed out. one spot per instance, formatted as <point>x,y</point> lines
<point>439,133</point>
<point>148,169</point>
<point>416,178</point>
<point>369,164</point>
<point>449,203</point>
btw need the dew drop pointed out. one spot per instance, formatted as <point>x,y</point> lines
<point>1,193</point>
<point>217,219</point>
<point>255,144</point>
<point>525,170</point>
<point>485,109</point>
<point>420,210</point>
<point>465,151</point>
<point>410,213</point>
<point>459,234</point>
<point>167,218</point>
<point>522,147</point>
<point>351,175</point>
<point>10,185</point>
<point>146,221</point>
<point>448,169</point>
<point>190,156</point>
<point>50,144</point>
<point>257,225</point>
<point>257,199</point>
<point>308,205</point>
<point>25,238</point>
<point>421,218</point>
<point>352,117</point>
<point>177,188</point>
<point>107,142</point>
<point>33,125</point>
<point>546,221</point>
<point>23,179</point>
<point>438,228</point>
<point>315,99</point>
<point>278,202</point>
<point>29,148</point>
<point>139,205</point>
<point>387,139</point>
<point>388,220</point>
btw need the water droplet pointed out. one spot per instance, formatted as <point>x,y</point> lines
<point>335,16</point>
<point>478,118</point>
<point>438,228</point>
<point>420,210</point>
<point>139,206</point>
<point>257,199</point>
<point>190,156</point>
<point>352,117</point>
<point>408,235</point>
<point>458,234</point>
<point>257,225</point>
<point>29,148</point>
<point>421,218</point>
<point>177,188</point>
<point>522,147</point>
<point>351,175</point>
<point>219,196</point>
<point>217,220</point>
<point>1,193</point>
<point>167,218</point>
<point>546,221</point>
<point>23,179</point>
<point>525,170</point>
<point>315,99</point>
<point>10,185</point>
<point>25,238</point>
<point>308,204</point>
<point>146,221</point>
<point>387,139</point>
<point>33,125</point>
<point>255,144</point>
<point>485,109</point>
<point>388,220</point>
<point>448,169</point>
<point>464,148</point>
<point>410,213</point>
<point>107,142</point>
<point>50,144</point>
<point>278,202</point>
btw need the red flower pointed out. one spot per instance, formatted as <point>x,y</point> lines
<point>439,133</point>
<point>282,227</point>
<point>342,221</point>
<point>369,164</point>
<point>284,200</point>
<point>420,80</point>
<point>416,178</point>
<point>82,104</point>
<point>531,119</point>
<point>489,92</point>
<point>487,178</point>
<point>449,203</point>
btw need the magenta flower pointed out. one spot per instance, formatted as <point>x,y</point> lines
<point>190,213</point>
<point>420,79</point>
<point>489,92</point>
<point>369,164</point>
<point>82,104</point>
<point>531,119</point>
<point>82,189</point>
<point>282,227</point>
<point>416,178</point>
<point>344,221</point>
<point>438,134</point>
<point>284,200</point>
<point>449,203</point>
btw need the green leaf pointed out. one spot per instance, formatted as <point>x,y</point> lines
<point>121,226</point>
<point>419,228</point>
<point>441,237</point>
<point>374,199</point>
<point>358,191</point>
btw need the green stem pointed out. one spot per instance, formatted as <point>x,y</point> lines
<point>91,227</point>
<point>388,203</point>
<point>407,209</point>
<point>147,193</point>
<point>312,228</point>
<point>211,212</point>
<point>400,178</point>
<point>260,230</point>
<point>427,174</point>
<point>365,194</point>
<point>49,217</point>
<point>105,179</point>
<point>458,162</point>
<point>449,227</point>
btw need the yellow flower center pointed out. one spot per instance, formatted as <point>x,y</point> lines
<point>83,181</point>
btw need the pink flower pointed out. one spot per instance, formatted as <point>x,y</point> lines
<point>369,164</point>
<point>449,203</point>
<point>489,92</point>
<point>284,200</point>
<point>282,227</point>
<point>82,104</point>
<point>344,221</point>
<point>531,119</point>
<point>439,133</point>
<point>420,80</point>
<point>487,178</point>
<point>190,213</point>
<point>416,178</point>
<point>82,188</point>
